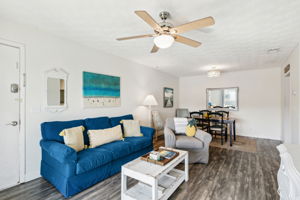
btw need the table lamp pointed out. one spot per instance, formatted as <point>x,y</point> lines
<point>150,101</point>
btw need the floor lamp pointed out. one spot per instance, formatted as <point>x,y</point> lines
<point>150,101</point>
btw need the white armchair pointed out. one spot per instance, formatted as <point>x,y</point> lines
<point>197,146</point>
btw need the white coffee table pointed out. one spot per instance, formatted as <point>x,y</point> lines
<point>155,181</point>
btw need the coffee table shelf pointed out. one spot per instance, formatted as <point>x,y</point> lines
<point>154,181</point>
<point>167,184</point>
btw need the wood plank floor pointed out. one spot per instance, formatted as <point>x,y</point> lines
<point>230,174</point>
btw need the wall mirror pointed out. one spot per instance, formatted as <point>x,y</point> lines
<point>56,90</point>
<point>219,98</point>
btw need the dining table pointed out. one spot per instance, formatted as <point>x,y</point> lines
<point>230,122</point>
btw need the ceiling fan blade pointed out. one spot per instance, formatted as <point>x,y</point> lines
<point>149,20</point>
<point>187,41</point>
<point>135,37</point>
<point>200,23</point>
<point>154,49</point>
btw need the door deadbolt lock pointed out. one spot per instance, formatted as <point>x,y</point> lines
<point>14,88</point>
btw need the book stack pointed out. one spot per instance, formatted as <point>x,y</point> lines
<point>167,154</point>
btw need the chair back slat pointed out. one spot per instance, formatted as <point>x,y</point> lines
<point>225,113</point>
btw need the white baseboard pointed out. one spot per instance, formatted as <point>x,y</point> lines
<point>32,175</point>
<point>259,136</point>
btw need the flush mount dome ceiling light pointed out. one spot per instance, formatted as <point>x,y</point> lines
<point>213,73</point>
<point>165,33</point>
<point>163,41</point>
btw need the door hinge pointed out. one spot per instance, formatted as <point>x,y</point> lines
<point>24,80</point>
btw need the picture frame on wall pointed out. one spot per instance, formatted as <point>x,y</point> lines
<point>100,90</point>
<point>168,97</point>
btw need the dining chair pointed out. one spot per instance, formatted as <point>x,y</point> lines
<point>225,113</point>
<point>217,125</point>
<point>182,112</point>
<point>218,107</point>
<point>204,119</point>
<point>158,124</point>
<point>196,115</point>
<point>225,116</point>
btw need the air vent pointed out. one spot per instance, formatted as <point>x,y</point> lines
<point>274,50</point>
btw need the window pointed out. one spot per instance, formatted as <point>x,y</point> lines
<point>222,98</point>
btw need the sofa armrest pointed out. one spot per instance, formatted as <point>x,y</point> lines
<point>204,137</point>
<point>170,138</point>
<point>60,152</point>
<point>147,131</point>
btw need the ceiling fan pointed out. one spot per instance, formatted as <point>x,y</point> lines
<point>165,33</point>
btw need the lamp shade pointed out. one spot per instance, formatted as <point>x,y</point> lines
<point>150,100</point>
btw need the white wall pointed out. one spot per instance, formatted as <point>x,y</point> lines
<point>259,112</point>
<point>292,134</point>
<point>44,51</point>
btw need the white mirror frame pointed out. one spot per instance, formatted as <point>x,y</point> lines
<point>60,74</point>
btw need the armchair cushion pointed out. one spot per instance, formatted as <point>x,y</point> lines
<point>60,152</point>
<point>186,142</point>
<point>203,136</point>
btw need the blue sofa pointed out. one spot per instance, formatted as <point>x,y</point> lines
<point>72,172</point>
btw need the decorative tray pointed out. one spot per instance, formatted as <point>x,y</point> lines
<point>161,162</point>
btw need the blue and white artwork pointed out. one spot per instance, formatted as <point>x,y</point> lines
<point>100,90</point>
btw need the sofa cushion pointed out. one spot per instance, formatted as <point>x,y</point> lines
<point>118,149</point>
<point>90,159</point>
<point>186,142</point>
<point>97,123</point>
<point>51,130</point>
<point>138,143</point>
<point>116,120</point>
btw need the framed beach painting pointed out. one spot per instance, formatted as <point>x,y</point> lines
<point>100,90</point>
<point>168,97</point>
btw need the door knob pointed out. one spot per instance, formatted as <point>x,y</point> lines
<point>13,123</point>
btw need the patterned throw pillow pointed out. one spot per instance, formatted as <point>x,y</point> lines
<point>191,128</point>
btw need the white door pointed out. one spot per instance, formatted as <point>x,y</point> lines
<point>9,116</point>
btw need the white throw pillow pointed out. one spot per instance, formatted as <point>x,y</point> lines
<point>131,128</point>
<point>73,137</point>
<point>104,136</point>
<point>180,124</point>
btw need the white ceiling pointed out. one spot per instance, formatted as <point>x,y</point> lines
<point>239,40</point>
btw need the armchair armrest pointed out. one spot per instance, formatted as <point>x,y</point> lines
<point>147,131</point>
<point>61,152</point>
<point>170,138</point>
<point>203,136</point>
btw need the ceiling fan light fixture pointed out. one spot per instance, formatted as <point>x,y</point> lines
<point>163,41</point>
